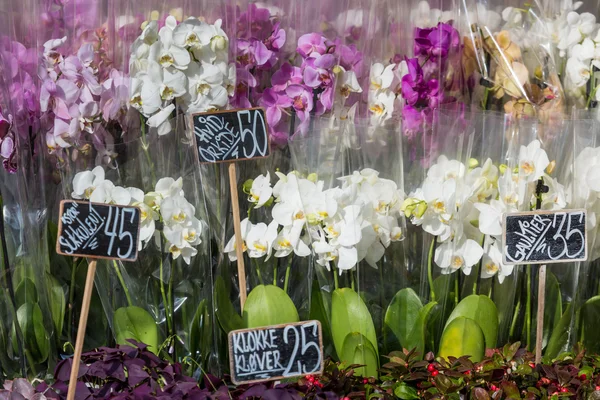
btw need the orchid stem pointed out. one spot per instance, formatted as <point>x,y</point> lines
<point>430,268</point>
<point>257,265</point>
<point>122,282</point>
<point>335,279</point>
<point>287,275</point>
<point>71,299</point>
<point>275,274</point>
<point>528,307</point>
<point>145,148</point>
<point>162,287</point>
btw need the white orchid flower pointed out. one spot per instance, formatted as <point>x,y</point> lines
<point>261,190</point>
<point>578,72</point>
<point>86,182</point>
<point>446,169</point>
<point>161,120</point>
<point>347,83</point>
<point>230,248</point>
<point>165,52</point>
<point>556,198</point>
<point>490,217</point>
<point>147,216</point>
<point>288,241</point>
<point>168,187</point>
<point>180,248</point>
<point>106,192</point>
<point>458,254</point>
<point>381,77</point>
<point>423,16</point>
<point>260,238</point>
<point>381,106</point>
<point>441,205</point>
<point>493,263</point>
<point>533,161</point>
<point>176,210</point>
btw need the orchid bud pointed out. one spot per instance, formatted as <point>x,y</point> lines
<point>218,43</point>
<point>421,208</point>
<point>247,187</point>
<point>312,177</point>
<point>473,163</point>
<point>551,167</point>
<point>502,168</point>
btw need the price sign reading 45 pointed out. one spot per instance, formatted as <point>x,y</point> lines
<point>231,135</point>
<point>545,237</point>
<point>98,230</point>
<point>276,352</point>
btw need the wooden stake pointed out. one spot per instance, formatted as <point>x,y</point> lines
<point>239,242</point>
<point>85,309</point>
<point>539,336</point>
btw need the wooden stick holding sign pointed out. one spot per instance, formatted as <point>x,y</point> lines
<point>544,237</point>
<point>96,231</point>
<point>231,136</point>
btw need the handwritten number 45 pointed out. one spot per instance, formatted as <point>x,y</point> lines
<point>121,234</point>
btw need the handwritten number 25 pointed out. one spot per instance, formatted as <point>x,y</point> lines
<point>305,348</point>
<point>258,145</point>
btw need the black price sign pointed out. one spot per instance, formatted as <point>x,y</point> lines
<point>545,237</point>
<point>276,352</point>
<point>98,230</point>
<point>231,135</point>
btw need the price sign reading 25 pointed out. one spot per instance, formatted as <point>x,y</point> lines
<point>98,230</point>
<point>231,135</point>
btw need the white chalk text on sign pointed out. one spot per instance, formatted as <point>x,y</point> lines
<point>543,237</point>
<point>231,135</point>
<point>276,352</point>
<point>98,230</point>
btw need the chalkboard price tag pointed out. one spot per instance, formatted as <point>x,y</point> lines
<point>545,237</point>
<point>233,135</point>
<point>276,352</point>
<point>98,230</point>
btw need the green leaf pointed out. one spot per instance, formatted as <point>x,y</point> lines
<point>463,337</point>
<point>481,310</point>
<point>137,324</point>
<point>200,333</point>
<point>228,318</point>
<point>357,349</point>
<point>320,310</point>
<point>31,321</point>
<point>26,292</point>
<point>560,336</point>
<point>406,319</point>
<point>480,394</point>
<point>58,303</point>
<point>268,305</point>
<point>553,310</point>
<point>590,325</point>
<point>349,314</point>
<point>406,392</point>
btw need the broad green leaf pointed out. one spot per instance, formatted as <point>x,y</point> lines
<point>268,305</point>
<point>228,318</point>
<point>200,333</point>
<point>560,335</point>
<point>137,324</point>
<point>320,310</point>
<point>406,392</point>
<point>406,319</point>
<point>553,310</point>
<point>402,315</point>
<point>357,349</point>
<point>58,303</point>
<point>463,337</point>
<point>483,311</point>
<point>26,292</point>
<point>36,338</point>
<point>590,325</point>
<point>349,314</point>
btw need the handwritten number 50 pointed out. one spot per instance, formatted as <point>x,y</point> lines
<point>258,145</point>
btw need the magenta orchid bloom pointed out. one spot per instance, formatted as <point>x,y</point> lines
<point>5,124</point>
<point>318,72</point>
<point>285,76</point>
<point>312,43</point>
<point>302,100</point>
<point>276,40</point>
<point>58,97</point>
<point>275,104</point>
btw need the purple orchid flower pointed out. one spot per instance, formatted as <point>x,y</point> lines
<point>253,52</point>
<point>275,103</point>
<point>302,100</point>
<point>312,43</point>
<point>285,76</point>
<point>436,42</point>
<point>412,122</point>
<point>318,71</point>
<point>58,97</point>
<point>351,59</point>
<point>276,40</point>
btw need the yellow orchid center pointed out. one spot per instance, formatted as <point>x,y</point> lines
<point>259,246</point>
<point>439,207</point>
<point>136,101</point>
<point>88,192</point>
<point>166,60</point>
<point>179,217</point>
<point>331,231</point>
<point>527,167</point>
<point>203,89</point>
<point>167,93</point>
<point>299,215</point>
<point>323,214</point>
<point>190,236</point>
<point>457,262</point>
<point>397,236</point>
<point>191,39</point>
<point>284,243</point>
<point>491,268</point>
<point>377,109</point>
